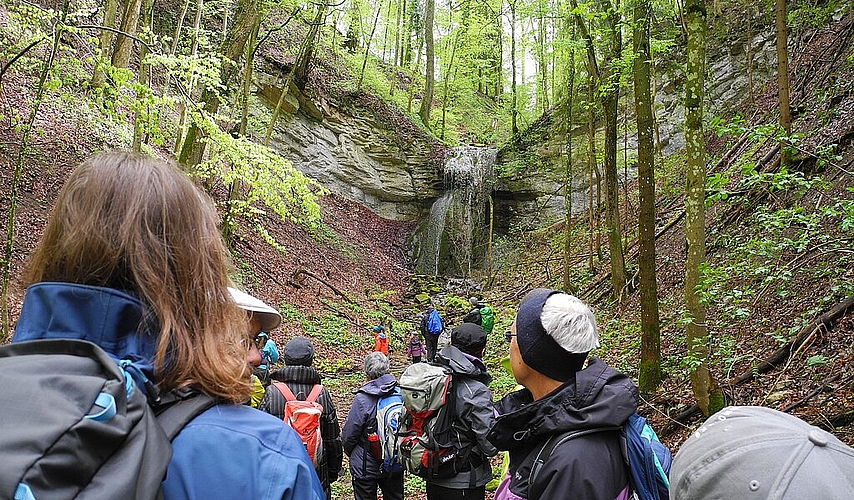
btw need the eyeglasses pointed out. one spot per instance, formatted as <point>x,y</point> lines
<point>260,340</point>
<point>508,336</point>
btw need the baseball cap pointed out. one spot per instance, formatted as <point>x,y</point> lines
<point>469,338</point>
<point>269,317</point>
<point>753,452</point>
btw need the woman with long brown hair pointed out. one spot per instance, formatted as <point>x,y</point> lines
<point>133,261</point>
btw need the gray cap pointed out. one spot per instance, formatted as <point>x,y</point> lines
<point>753,452</point>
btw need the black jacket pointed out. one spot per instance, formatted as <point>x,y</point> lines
<point>590,466</point>
<point>300,379</point>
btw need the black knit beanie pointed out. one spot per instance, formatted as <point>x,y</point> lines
<point>539,350</point>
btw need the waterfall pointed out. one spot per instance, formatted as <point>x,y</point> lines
<point>452,241</point>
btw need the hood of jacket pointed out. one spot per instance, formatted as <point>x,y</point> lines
<point>114,320</point>
<point>600,396</point>
<point>381,386</point>
<point>461,363</point>
<point>296,373</point>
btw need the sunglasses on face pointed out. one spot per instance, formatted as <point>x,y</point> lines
<point>508,337</point>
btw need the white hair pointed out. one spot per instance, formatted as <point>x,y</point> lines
<point>375,365</point>
<point>570,322</point>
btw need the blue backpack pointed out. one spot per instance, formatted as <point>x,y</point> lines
<point>434,323</point>
<point>648,459</point>
<point>389,414</point>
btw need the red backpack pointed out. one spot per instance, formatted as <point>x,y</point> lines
<point>304,418</point>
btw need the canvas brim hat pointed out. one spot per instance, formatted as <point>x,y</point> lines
<point>270,318</point>
<point>753,452</point>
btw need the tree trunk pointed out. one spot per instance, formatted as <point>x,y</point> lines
<point>124,44</point>
<point>177,36</point>
<point>650,363</point>
<point>247,15</point>
<point>146,14</point>
<point>111,11</point>
<point>783,80</point>
<point>706,392</point>
<point>568,285</point>
<point>594,168</point>
<point>514,109</point>
<point>427,100</point>
<point>445,96</point>
<point>368,48</point>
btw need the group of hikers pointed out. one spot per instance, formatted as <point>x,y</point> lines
<point>132,261</point>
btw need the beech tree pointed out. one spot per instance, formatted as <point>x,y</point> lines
<point>783,78</point>
<point>709,397</point>
<point>427,99</point>
<point>650,363</point>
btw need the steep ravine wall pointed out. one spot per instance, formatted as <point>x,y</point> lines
<point>352,153</point>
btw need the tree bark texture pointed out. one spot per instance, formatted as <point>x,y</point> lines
<point>706,391</point>
<point>427,99</point>
<point>650,363</point>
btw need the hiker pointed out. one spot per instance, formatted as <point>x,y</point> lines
<point>480,314</point>
<point>380,339</point>
<point>132,260</point>
<point>261,317</point>
<point>758,452</point>
<point>300,377</point>
<point>549,341</point>
<point>415,348</point>
<point>361,427</point>
<point>473,414</point>
<point>269,355</point>
<point>431,327</point>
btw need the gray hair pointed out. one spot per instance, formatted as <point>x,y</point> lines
<point>375,365</point>
<point>570,322</point>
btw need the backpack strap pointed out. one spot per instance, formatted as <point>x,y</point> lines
<point>175,414</point>
<point>556,440</point>
<point>285,390</point>
<point>315,393</point>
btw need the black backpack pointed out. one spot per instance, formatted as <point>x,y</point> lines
<point>74,425</point>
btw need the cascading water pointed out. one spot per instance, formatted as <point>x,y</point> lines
<point>457,225</point>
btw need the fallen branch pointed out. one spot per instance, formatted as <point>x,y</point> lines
<point>826,320</point>
<point>299,273</point>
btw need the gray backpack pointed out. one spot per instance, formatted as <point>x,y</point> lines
<point>74,425</point>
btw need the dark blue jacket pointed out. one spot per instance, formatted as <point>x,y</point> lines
<point>363,413</point>
<point>229,451</point>
<point>590,466</point>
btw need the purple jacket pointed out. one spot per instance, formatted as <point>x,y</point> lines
<point>589,466</point>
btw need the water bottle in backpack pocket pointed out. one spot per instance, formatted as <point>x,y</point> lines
<point>427,444</point>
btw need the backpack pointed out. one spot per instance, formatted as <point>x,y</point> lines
<point>383,442</point>
<point>74,424</point>
<point>427,443</point>
<point>434,323</point>
<point>647,457</point>
<point>304,418</point>
<point>487,319</point>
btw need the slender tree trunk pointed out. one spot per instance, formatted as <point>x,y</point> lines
<point>783,79</point>
<point>594,168</point>
<point>177,36</point>
<point>427,100</point>
<point>18,173</point>
<point>105,40</point>
<point>247,15</point>
<point>650,363</point>
<point>368,48</point>
<point>446,96</point>
<point>568,284</point>
<point>706,392</point>
<point>146,14</point>
<point>514,112</point>
<point>182,107</point>
<point>124,44</point>
<point>540,29</point>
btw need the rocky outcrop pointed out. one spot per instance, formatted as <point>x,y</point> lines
<point>349,151</point>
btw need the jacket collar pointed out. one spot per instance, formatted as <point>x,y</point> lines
<point>112,319</point>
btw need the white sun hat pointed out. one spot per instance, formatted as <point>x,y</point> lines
<point>270,317</point>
